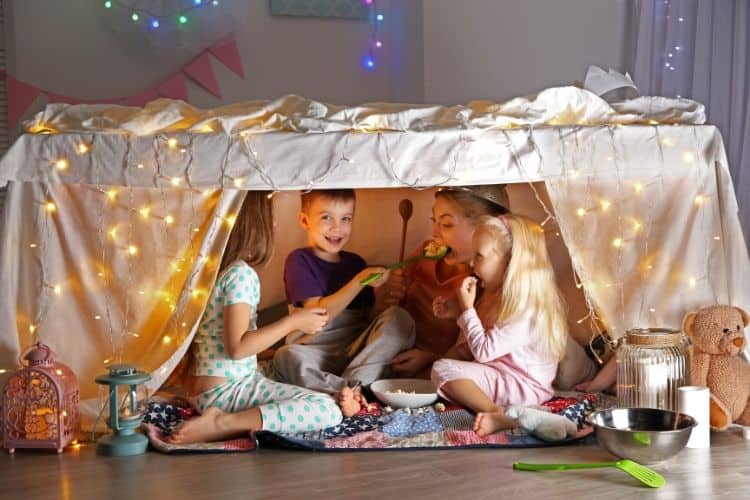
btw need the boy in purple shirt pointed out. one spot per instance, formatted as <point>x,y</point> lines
<point>353,348</point>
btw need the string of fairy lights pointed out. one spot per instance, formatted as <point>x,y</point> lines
<point>155,20</point>
<point>171,149</point>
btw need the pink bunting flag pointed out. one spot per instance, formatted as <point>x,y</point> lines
<point>226,52</point>
<point>200,70</point>
<point>142,98</point>
<point>174,87</point>
<point>20,96</point>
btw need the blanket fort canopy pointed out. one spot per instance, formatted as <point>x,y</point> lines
<point>117,216</point>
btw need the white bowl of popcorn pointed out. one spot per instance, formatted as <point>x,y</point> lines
<point>404,392</point>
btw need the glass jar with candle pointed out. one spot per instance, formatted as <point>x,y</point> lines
<point>651,364</point>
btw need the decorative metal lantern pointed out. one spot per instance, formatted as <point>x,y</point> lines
<point>40,403</point>
<point>127,401</point>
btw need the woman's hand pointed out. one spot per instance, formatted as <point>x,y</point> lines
<point>467,293</point>
<point>445,308</point>
<point>411,362</point>
<point>310,320</point>
<point>395,290</point>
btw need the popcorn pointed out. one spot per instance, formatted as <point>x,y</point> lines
<point>440,407</point>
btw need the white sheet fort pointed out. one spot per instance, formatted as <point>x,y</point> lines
<point>116,217</point>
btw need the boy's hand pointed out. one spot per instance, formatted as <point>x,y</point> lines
<point>369,271</point>
<point>310,320</point>
<point>467,293</point>
<point>411,362</point>
<point>445,308</point>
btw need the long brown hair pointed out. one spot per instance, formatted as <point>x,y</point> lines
<point>251,239</point>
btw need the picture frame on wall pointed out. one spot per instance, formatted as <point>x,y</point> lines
<point>341,9</point>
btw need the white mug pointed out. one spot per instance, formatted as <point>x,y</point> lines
<point>696,402</point>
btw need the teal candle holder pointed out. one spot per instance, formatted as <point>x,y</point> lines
<point>127,402</point>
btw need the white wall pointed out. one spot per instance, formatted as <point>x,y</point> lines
<point>498,49</point>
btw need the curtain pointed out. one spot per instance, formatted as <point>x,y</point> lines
<point>700,49</point>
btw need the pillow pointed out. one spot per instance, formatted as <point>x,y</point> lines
<point>575,367</point>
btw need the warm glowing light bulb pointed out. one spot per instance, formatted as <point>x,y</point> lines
<point>112,194</point>
<point>32,328</point>
<point>135,17</point>
<point>692,282</point>
<point>144,211</point>
<point>172,142</point>
<point>638,187</point>
<point>175,181</point>
<point>132,249</point>
<point>61,164</point>
<point>581,212</point>
<point>167,339</point>
<point>169,219</point>
<point>688,157</point>
<point>637,224</point>
<point>238,182</point>
<point>57,289</point>
<point>50,207</point>
<point>113,232</point>
<point>700,200</point>
<point>83,148</point>
<point>617,242</point>
<point>140,165</point>
<point>231,219</point>
<point>605,204</point>
<point>33,245</point>
<point>667,141</point>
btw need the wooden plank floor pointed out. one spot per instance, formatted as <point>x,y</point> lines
<point>721,472</point>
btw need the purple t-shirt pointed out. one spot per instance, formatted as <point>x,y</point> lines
<point>306,276</point>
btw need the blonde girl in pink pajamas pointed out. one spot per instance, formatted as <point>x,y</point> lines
<point>513,335</point>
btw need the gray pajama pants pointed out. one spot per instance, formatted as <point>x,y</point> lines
<point>348,351</point>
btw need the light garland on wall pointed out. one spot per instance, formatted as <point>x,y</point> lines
<point>674,49</point>
<point>370,60</point>
<point>154,20</point>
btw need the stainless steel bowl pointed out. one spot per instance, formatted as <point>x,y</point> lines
<point>646,435</point>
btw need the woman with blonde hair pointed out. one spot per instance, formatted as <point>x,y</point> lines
<point>513,335</point>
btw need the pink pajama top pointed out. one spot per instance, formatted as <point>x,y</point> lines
<point>514,350</point>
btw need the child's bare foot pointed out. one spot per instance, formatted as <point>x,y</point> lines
<point>491,422</point>
<point>201,429</point>
<point>351,401</point>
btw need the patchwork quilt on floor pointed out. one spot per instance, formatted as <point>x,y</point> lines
<point>377,429</point>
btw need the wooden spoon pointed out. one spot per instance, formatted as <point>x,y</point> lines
<point>405,208</point>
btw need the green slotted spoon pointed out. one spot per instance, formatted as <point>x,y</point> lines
<point>443,251</point>
<point>640,472</point>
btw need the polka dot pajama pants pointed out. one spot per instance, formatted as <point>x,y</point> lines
<point>284,408</point>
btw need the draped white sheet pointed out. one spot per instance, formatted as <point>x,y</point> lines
<point>646,209</point>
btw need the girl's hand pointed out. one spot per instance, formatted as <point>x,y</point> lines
<point>411,362</point>
<point>444,308</point>
<point>310,320</point>
<point>369,271</point>
<point>467,293</point>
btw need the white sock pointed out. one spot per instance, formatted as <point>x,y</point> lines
<point>542,424</point>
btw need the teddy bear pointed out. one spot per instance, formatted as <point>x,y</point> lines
<point>718,337</point>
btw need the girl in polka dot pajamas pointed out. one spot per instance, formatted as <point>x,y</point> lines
<point>226,386</point>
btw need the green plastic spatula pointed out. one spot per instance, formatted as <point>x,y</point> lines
<point>640,472</point>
